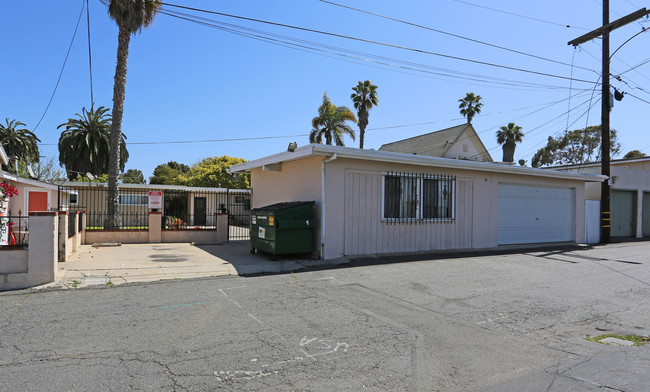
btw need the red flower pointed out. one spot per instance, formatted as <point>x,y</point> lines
<point>7,190</point>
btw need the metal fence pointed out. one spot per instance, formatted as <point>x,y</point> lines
<point>14,229</point>
<point>133,205</point>
<point>198,209</point>
<point>239,216</point>
<point>182,209</point>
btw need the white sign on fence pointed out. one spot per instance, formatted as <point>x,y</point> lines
<point>155,199</point>
<point>4,231</point>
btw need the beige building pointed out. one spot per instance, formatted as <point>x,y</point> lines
<point>33,195</point>
<point>629,197</point>
<point>379,202</point>
<point>459,142</point>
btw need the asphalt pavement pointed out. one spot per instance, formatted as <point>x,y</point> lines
<point>497,322</point>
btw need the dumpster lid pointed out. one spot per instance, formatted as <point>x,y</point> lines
<point>283,206</point>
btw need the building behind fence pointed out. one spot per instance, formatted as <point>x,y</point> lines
<point>183,208</point>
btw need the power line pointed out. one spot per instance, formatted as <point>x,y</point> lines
<point>545,106</point>
<point>90,57</point>
<point>380,43</point>
<point>83,5</point>
<point>266,37</point>
<point>521,16</point>
<point>457,36</point>
<point>640,99</point>
<point>529,151</point>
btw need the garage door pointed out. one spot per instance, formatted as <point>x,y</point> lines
<point>646,214</point>
<point>532,214</point>
<point>623,208</point>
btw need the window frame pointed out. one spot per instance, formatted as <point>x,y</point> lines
<point>76,194</point>
<point>419,193</point>
<point>146,199</point>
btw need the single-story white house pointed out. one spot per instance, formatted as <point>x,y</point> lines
<point>382,202</point>
<point>629,194</point>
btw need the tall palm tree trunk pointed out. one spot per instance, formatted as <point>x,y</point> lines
<point>113,220</point>
<point>363,122</point>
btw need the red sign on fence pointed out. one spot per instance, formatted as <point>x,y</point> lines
<point>155,199</point>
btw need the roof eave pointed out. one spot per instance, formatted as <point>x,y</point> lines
<point>419,160</point>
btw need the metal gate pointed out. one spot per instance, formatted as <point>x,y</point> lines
<point>239,217</point>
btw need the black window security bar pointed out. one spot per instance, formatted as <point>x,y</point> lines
<point>415,198</point>
<point>14,230</point>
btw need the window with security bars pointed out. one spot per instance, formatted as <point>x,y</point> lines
<point>410,197</point>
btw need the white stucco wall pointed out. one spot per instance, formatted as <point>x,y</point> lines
<point>299,180</point>
<point>20,201</point>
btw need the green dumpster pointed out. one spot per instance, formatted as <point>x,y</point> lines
<point>283,228</point>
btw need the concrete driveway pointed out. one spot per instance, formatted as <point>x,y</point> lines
<point>128,263</point>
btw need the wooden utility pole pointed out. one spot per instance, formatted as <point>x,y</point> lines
<point>605,216</point>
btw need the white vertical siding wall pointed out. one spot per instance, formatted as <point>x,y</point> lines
<point>366,233</point>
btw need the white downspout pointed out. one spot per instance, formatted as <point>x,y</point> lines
<point>322,208</point>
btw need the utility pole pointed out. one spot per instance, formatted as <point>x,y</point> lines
<point>604,30</point>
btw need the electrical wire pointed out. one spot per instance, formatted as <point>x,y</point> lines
<point>570,85</point>
<point>456,35</point>
<point>58,80</point>
<point>529,152</point>
<point>380,43</point>
<point>640,99</point>
<point>544,106</point>
<point>265,37</point>
<point>521,16</point>
<point>90,57</point>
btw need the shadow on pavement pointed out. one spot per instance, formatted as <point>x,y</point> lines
<point>237,253</point>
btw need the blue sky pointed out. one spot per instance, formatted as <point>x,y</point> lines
<point>189,82</point>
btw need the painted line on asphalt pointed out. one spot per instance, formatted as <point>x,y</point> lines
<point>187,305</point>
<point>255,318</point>
<point>230,288</point>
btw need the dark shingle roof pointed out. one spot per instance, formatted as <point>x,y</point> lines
<point>433,144</point>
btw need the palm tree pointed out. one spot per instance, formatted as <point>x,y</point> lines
<point>330,123</point>
<point>364,98</point>
<point>130,16</point>
<point>19,142</point>
<point>85,143</point>
<point>470,106</point>
<point>508,136</point>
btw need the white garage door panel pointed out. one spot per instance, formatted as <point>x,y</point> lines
<point>529,214</point>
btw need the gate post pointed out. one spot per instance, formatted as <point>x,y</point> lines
<point>222,227</point>
<point>155,227</point>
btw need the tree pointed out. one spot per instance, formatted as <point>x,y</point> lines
<point>470,106</point>
<point>508,137</point>
<point>133,176</point>
<point>211,172</point>
<point>85,143</point>
<point>19,142</point>
<point>168,173</point>
<point>330,123</point>
<point>575,147</point>
<point>364,98</point>
<point>44,170</point>
<point>101,179</point>
<point>130,16</point>
<point>634,154</point>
